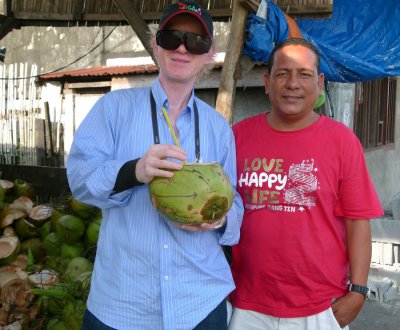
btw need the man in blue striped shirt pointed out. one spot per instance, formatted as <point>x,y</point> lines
<point>150,273</point>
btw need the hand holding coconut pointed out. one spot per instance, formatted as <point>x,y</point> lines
<point>155,163</point>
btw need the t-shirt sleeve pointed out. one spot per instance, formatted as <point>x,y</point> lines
<point>357,195</point>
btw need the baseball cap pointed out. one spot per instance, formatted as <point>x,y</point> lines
<point>191,8</point>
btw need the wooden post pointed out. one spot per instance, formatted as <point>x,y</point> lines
<point>137,23</point>
<point>49,133</point>
<point>227,86</point>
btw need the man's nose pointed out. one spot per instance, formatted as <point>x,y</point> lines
<point>182,48</point>
<point>292,81</point>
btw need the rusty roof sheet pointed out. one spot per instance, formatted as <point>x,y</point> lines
<point>101,71</point>
<point>109,71</point>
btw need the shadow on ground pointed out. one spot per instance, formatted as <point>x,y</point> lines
<point>378,316</point>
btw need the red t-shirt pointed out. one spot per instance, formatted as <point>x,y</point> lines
<point>297,188</point>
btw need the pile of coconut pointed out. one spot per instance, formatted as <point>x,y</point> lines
<point>46,259</point>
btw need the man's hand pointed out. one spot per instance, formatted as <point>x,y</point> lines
<point>347,307</point>
<point>154,162</point>
<point>204,226</point>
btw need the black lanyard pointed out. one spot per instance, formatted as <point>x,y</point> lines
<point>196,125</point>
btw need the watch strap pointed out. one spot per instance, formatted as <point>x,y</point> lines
<point>364,290</point>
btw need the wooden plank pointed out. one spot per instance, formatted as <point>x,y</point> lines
<point>24,15</point>
<point>137,23</point>
<point>227,87</point>
<point>305,10</point>
<point>88,84</point>
<point>77,9</point>
<point>49,131</point>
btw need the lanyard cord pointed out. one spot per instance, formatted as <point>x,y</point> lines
<point>156,134</point>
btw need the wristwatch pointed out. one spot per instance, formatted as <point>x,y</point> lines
<point>364,290</point>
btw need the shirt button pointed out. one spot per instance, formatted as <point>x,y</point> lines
<point>166,277</point>
<point>165,246</point>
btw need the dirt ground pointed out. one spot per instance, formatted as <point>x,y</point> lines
<point>378,316</point>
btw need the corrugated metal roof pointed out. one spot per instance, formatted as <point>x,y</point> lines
<point>101,71</point>
<point>108,71</point>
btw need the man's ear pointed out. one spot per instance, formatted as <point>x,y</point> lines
<point>266,82</point>
<point>155,48</point>
<point>211,54</point>
<point>320,83</point>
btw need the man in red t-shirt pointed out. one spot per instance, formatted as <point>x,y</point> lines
<point>303,258</point>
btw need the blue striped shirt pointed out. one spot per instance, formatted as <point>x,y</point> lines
<point>150,274</point>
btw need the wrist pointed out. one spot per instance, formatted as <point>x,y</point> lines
<point>221,226</point>
<point>359,289</point>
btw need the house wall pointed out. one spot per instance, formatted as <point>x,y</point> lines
<point>70,48</point>
<point>383,163</point>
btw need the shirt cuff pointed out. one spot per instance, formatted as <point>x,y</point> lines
<point>126,177</point>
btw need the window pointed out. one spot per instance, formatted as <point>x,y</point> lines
<point>375,107</point>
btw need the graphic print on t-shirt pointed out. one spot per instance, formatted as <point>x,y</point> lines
<point>266,184</point>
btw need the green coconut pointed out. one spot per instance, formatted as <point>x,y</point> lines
<point>92,232</point>
<point>52,244</point>
<point>5,187</point>
<point>9,249</point>
<point>85,279</point>
<point>25,229</point>
<point>73,314</point>
<point>55,216</point>
<point>77,266</point>
<point>56,324</point>
<point>72,250</point>
<point>2,193</point>
<point>83,210</point>
<point>40,214</point>
<point>44,230</point>
<point>198,193</point>
<point>23,188</point>
<point>36,247</point>
<point>70,228</point>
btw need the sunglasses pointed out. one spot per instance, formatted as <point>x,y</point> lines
<point>194,43</point>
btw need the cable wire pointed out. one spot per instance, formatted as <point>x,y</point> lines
<point>66,66</point>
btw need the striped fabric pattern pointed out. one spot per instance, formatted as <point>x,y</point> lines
<point>149,274</point>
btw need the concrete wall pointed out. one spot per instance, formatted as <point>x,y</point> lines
<point>52,48</point>
<point>383,163</point>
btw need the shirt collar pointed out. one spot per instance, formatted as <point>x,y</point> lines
<point>162,100</point>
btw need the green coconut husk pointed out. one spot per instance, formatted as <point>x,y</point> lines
<point>77,266</point>
<point>9,249</point>
<point>92,232</point>
<point>44,230</point>
<point>36,247</point>
<point>83,210</point>
<point>52,244</point>
<point>70,228</point>
<point>72,250</point>
<point>25,229</point>
<point>5,187</point>
<point>40,214</point>
<point>56,324</point>
<point>73,314</point>
<point>198,193</point>
<point>23,188</point>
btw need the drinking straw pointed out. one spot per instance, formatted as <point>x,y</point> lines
<point>171,129</point>
<point>170,126</point>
